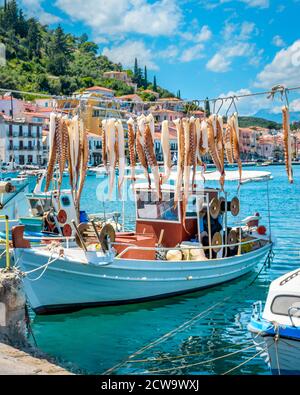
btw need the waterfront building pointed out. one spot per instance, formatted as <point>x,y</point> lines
<point>21,142</point>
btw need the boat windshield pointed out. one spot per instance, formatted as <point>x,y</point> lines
<point>282,303</point>
<point>39,206</point>
<point>149,208</point>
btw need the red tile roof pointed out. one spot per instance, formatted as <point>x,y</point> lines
<point>98,88</point>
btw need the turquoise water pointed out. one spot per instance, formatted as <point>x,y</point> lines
<point>94,340</point>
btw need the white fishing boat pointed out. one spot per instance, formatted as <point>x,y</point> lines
<point>277,326</point>
<point>169,253</point>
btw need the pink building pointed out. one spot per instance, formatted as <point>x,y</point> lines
<point>166,115</point>
<point>248,138</point>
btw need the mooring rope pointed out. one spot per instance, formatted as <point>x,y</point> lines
<point>166,336</point>
<point>182,356</point>
<point>46,265</point>
<point>203,362</point>
<point>243,363</point>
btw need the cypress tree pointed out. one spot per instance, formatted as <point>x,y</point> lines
<point>145,78</point>
<point>154,84</point>
<point>136,71</point>
<point>207,107</point>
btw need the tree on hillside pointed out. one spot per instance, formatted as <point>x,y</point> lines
<point>11,15</point>
<point>145,77</point>
<point>33,39</point>
<point>137,74</point>
<point>154,84</point>
<point>58,53</point>
<point>207,107</point>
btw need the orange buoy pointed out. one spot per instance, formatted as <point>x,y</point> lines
<point>67,230</point>
<point>62,216</point>
<point>261,230</point>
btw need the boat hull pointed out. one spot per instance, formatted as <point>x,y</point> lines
<point>284,356</point>
<point>69,284</point>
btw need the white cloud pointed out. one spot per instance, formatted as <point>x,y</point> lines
<point>171,52</point>
<point>204,35</point>
<point>209,4</point>
<point>295,105</point>
<point>222,60</point>
<point>128,51</point>
<point>35,8</point>
<point>257,3</point>
<point>284,69</point>
<point>115,17</point>
<point>218,64</point>
<point>239,31</point>
<point>192,53</point>
<point>236,37</point>
<point>278,41</point>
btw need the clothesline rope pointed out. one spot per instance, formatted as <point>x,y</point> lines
<point>278,89</point>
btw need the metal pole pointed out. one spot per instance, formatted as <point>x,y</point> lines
<point>5,217</point>
<point>12,107</point>
<point>226,222</point>
<point>208,225</point>
<point>269,212</point>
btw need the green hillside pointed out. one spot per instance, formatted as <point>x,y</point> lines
<point>246,122</point>
<point>40,59</point>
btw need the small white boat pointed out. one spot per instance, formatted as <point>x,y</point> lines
<point>278,325</point>
<point>166,255</point>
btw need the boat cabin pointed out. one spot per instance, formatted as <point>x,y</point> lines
<point>165,218</point>
<point>50,212</point>
<point>283,301</point>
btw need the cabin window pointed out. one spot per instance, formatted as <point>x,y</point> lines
<point>150,209</point>
<point>65,201</point>
<point>191,210</point>
<point>36,207</point>
<point>282,303</point>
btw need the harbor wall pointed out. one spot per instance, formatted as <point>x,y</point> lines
<point>17,356</point>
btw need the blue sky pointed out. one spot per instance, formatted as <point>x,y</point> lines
<point>204,47</point>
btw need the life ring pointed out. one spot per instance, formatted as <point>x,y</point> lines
<point>261,230</point>
<point>107,232</point>
<point>235,206</point>
<point>214,207</point>
<point>217,241</point>
<point>62,216</point>
<point>232,239</point>
<point>67,230</point>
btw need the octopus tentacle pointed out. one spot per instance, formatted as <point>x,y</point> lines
<point>287,143</point>
<point>131,147</point>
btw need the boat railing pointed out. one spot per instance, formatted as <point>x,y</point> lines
<point>7,247</point>
<point>184,247</point>
<point>296,309</point>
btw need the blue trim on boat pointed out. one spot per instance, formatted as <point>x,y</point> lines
<point>32,236</point>
<point>267,328</point>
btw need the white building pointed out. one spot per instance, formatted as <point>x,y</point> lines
<point>21,142</point>
<point>95,149</point>
<point>47,103</point>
